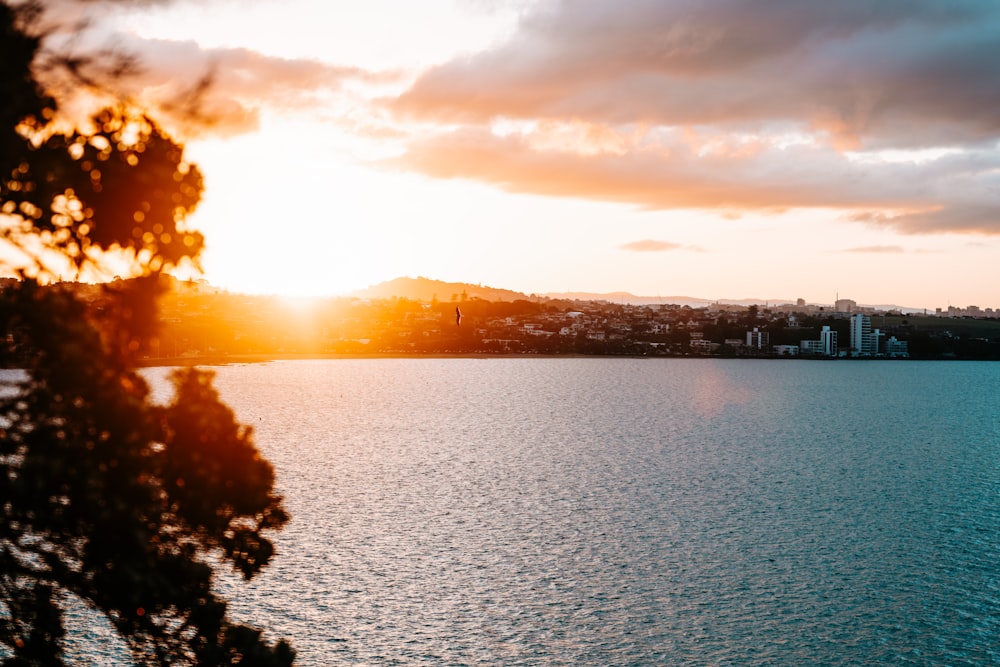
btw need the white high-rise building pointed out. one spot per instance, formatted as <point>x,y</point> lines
<point>828,341</point>
<point>863,342</point>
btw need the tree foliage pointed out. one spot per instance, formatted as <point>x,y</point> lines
<point>106,496</point>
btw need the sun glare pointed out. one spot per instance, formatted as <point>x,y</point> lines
<point>300,305</point>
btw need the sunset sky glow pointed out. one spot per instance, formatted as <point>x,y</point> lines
<point>716,149</point>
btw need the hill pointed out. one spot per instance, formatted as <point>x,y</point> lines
<point>427,289</point>
<point>632,299</point>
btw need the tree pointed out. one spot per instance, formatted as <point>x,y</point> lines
<point>104,495</point>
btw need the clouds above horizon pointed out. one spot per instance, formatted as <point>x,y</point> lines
<point>730,106</point>
<point>886,113</point>
<point>652,245</point>
<point>952,193</point>
<point>239,82</point>
<point>877,249</point>
<point>872,74</point>
<point>219,91</point>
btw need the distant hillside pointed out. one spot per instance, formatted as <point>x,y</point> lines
<point>692,301</point>
<point>696,302</point>
<point>426,289</point>
<point>626,297</point>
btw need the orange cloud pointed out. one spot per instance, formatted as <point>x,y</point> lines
<point>877,249</point>
<point>221,90</point>
<point>673,174</point>
<point>651,245</point>
<point>238,82</point>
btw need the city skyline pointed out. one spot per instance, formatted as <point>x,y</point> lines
<point>730,150</point>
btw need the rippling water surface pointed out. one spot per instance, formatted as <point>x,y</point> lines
<point>629,512</point>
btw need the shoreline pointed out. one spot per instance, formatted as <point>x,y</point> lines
<point>236,359</point>
<point>233,359</point>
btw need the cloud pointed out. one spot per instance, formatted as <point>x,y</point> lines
<point>877,249</point>
<point>671,171</point>
<point>651,245</point>
<point>216,90</point>
<point>730,106</point>
<point>239,82</point>
<point>884,74</point>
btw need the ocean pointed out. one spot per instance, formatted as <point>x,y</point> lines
<point>578,511</point>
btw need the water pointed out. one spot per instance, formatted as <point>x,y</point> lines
<point>629,512</point>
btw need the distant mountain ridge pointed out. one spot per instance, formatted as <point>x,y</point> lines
<point>428,289</point>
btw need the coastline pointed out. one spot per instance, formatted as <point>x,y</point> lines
<point>237,359</point>
<point>233,359</point>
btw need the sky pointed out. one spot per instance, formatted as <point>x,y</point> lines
<point>771,149</point>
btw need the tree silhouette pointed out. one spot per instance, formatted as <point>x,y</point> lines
<point>106,497</point>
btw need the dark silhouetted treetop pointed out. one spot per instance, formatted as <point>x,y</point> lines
<point>107,498</point>
<point>122,186</point>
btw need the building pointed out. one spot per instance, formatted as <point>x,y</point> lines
<point>863,343</point>
<point>704,346</point>
<point>876,346</point>
<point>786,350</point>
<point>757,339</point>
<point>828,341</point>
<point>845,306</point>
<point>811,348</point>
<point>896,348</point>
<point>826,346</point>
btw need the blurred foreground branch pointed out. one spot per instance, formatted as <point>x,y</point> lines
<point>105,496</point>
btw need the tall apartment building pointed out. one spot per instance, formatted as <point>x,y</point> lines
<point>828,341</point>
<point>864,341</point>
<point>758,339</point>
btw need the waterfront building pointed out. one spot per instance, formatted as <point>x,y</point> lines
<point>757,339</point>
<point>702,345</point>
<point>828,341</point>
<point>826,346</point>
<point>811,347</point>
<point>863,343</point>
<point>897,348</point>
<point>876,346</point>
